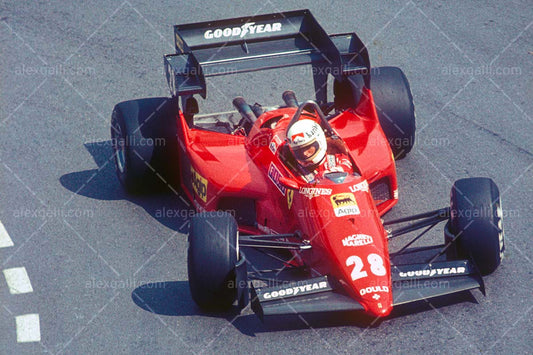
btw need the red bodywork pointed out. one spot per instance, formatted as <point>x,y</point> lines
<point>342,221</point>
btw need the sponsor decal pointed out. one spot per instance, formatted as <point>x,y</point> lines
<point>373,289</point>
<point>274,144</point>
<point>300,137</point>
<point>290,196</point>
<point>376,296</point>
<point>199,185</point>
<point>357,240</point>
<point>331,161</point>
<point>432,272</point>
<point>274,175</point>
<point>179,43</point>
<point>273,147</point>
<point>297,137</point>
<point>313,131</point>
<point>296,290</point>
<point>344,204</point>
<point>240,32</point>
<point>311,192</point>
<point>360,270</point>
<point>362,186</point>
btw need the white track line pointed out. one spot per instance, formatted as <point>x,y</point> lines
<point>5,240</point>
<point>28,328</point>
<point>18,281</point>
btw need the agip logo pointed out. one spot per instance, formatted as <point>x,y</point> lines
<point>345,204</point>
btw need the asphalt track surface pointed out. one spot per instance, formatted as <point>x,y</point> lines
<point>108,271</point>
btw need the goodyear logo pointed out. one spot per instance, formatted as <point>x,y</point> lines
<point>199,184</point>
<point>345,204</point>
<point>240,32</point>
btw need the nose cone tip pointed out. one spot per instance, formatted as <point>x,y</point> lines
<point>380,310</point>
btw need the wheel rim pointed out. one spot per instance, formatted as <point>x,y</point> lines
<point>119,145</point>
<point>237,246</point>
<point>501,234</point>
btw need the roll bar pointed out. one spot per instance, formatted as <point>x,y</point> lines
<point>323,122</point>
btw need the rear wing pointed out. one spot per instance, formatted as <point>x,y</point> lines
<point>260,42</point>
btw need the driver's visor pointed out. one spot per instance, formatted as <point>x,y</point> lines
<point>306,152</point>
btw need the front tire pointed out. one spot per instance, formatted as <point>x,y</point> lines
<point>211,259</point>
<point>476,222</point>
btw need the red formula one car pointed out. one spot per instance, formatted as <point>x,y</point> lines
<point>243,172</point>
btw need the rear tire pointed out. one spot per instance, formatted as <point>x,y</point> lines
<point>476,221</point>
<point>143,137</point>
<point>395,108</point>
<point>211,258</point>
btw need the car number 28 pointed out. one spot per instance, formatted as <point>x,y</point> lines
<point>376,266</point>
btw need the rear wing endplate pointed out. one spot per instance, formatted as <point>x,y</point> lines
<point>260,42</point>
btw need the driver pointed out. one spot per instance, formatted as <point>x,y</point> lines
<point>308,144</point>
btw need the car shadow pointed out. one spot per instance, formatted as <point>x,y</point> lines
<point>173,298</point>
<point>102,184</point>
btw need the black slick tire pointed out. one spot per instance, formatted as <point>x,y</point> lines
<point>211,258</point>
<point>395,108</point>
<point>143,137</point>
<point>476,222</point>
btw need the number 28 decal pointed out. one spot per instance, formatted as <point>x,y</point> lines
<point>376,266</point>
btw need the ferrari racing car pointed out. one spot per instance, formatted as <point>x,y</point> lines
<point>307,184</point>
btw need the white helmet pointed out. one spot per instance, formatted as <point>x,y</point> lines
<point>307,142</point>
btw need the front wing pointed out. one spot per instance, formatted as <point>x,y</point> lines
<point>410,283</point>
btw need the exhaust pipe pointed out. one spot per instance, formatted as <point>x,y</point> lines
<point>290,98</point>
<point>244,109</point>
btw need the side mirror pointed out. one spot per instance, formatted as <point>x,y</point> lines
<point>289,183</point>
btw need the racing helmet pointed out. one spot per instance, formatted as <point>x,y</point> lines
<point>307,142</point>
